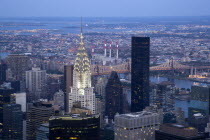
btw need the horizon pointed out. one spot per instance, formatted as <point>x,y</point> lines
<point>108,8</point>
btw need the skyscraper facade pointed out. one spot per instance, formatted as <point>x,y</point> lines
<point>140,56</point>
<point>18,64</point>
<point>68,83</point>
<point>81,91</point>
<point>75,126</point>
<point>5,98</point>
<point>37,114</point>
<point>13,122</point>
<point>3,68</point>
<point>178,132</point>
<point>42,132</point>
<point>36,83</point>
<point>114,96</point>
<point>199,108</point>
<point>136,126</point>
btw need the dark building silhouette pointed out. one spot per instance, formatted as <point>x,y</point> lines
<point>3,68</point>
<point>114,96</point>
<point>68,82</point>
<point>140,57</point>
<point>42,132</point>
<point>199,108</point>
<point>15,85</point>
<point>13,122</point>
<point>75,126</point>
<point>37,114</point>
<point>178,132</point>
<point>5,98</point>
<point>18,64</point>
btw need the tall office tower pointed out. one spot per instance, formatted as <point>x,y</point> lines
<point>140,56</point>
<point>3,68</point>
<point>37,114</point>
<point>99,108</point>
<point>100,87</point>
<point>126,85</point>
<point>36,83</point>
<point>6,94</point>
<point>75,126</point>
<point>68,82</point>
<point>114,96</point>
<point>178,132</point>
<point>58,100</point>
<point>18,65</point>
<point>100,97</point>
<point>135,126</point>
<point>81,91</point>
<point>13,122</point>
<point>199,107</point>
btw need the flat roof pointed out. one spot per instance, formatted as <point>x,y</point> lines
<point>137,114</point>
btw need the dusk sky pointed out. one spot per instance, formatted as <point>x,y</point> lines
<point>103,8</point>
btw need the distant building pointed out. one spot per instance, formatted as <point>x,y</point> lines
<point>42,132</point>
<point>75,126</point>
<point>36,83</point>
<point>13,122</point>
<point>178,132</point>
<point>100,87</point>
<point>114,96</point>
<point>58,99</point>
<point>3,68</point>
<point>198,111</point>
<point>18,64</point>
<point>180,118</point>
<point>163,96</point>
<point>169,117</point>
<point>6,97</point>
<point>20,98</point>
<point>134,126</point>
<point>68,83</point>
<point>37,114</point>
<point>15,85</point>
<point>99,108</point>
<point>82,90</point>
<point>140,58</point>
<point>107,133</point>
<point>126,85</point>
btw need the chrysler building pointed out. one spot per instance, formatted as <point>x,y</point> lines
<point>81,91</point>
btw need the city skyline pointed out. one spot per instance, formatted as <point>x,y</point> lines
<point>130,70</point>
<point>108,8</point>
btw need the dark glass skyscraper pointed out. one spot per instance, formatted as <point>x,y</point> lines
<point>13,122</point>
<point>114,96</point>
<point>37,114</point>
<point>140,58</point>
<point>3,68</point>
<point>5,98</point>
<point>75,126</point>
<point>68,82</point>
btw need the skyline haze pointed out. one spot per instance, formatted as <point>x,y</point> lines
<point>108,8</point>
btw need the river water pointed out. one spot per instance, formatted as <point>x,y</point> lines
<point>180,84</point>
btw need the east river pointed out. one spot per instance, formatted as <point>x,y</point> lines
<point>180,84</point>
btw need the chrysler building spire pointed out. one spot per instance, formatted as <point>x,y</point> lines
<point>81,91</point>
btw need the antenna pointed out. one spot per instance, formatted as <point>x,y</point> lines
<point>81,25</point>
<point>81,36</point>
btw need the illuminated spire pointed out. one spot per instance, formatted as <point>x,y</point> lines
<point>82,63</point>
<point>81,36</point>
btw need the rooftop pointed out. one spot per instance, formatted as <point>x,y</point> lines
<point>74,117</point>
<point>137,114</point>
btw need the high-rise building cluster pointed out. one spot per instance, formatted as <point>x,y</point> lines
<point>40,100</point>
